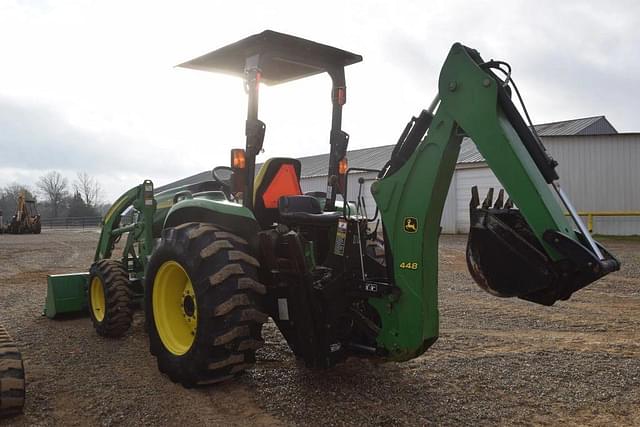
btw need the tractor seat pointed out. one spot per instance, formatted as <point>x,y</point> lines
<point>301,210</point>
<point>278,177</point>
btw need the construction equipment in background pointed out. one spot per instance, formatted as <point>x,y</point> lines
<point>12,379</point>
<point>211,261</point>
<point>26,220</point>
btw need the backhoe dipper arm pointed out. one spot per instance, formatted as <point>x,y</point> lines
<point>532,253</point>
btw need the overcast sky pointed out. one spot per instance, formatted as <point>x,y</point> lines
<point>91,85</point>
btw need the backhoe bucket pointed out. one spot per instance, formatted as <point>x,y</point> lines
<point>506,259</point>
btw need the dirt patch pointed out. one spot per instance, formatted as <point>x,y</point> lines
<point>497,361</point>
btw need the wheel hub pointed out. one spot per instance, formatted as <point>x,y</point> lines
<point>188,305</point>
<point>175,308</point>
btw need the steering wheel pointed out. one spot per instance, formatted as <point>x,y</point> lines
<point>222,175</point>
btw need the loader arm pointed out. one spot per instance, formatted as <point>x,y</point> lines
<point>531,252</point>
<point>141,199</point>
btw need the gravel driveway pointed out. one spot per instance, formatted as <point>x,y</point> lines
<point>498,361</point>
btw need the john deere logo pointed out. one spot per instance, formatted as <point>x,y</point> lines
<point>410,224</point>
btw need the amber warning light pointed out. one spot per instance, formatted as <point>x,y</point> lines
<point>238,159</point>
<point>343,166</point>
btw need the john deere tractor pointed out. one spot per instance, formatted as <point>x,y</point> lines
<point>211,261</point>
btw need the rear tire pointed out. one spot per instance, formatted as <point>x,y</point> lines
<point>12,381</point>
<point>203,304</point>
<point>110,298</point>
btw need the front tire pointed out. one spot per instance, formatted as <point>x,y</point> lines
<point>12,383</point>
<point>110,298</point>
<point>203,304</point>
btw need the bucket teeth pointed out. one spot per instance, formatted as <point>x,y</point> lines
<point>508,204</point>
<point>488,201</point>
<point>499,200</point>
<point>475,199</point>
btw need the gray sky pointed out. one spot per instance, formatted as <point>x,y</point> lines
<point>91,85</point>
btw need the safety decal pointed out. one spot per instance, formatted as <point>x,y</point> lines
<point>341,237</point>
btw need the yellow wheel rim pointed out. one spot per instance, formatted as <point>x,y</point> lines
<point>97,299</point>
<point>174,308</point>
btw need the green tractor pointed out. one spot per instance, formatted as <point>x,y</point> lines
<point>210,262</point>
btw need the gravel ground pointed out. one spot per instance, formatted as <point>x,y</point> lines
<point>498,361</point>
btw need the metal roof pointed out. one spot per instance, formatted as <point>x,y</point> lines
<point>370,158</point>
<point>597,125</point>
<point>376,157</point>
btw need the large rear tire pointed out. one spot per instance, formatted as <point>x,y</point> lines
<point>203,304</point>
<point>12,381</point>
<point>110,298</point>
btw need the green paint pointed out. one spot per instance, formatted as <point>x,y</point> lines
<point>221,206</point>
<point>140,238</point>
<point>419,188</point>
<point>66,293</point>
<point>473,106</point>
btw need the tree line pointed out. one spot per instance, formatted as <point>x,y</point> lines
<point>56,197</point>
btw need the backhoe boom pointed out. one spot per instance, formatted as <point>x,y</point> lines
<point>531,252</point>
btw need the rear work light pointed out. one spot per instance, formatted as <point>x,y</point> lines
<point>343,165</point>
<point>238,159</point>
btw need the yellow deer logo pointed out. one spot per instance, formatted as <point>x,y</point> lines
<point>410,224</point>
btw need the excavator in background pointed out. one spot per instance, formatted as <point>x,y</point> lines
<point>26,220</point>
<point>211,261</point>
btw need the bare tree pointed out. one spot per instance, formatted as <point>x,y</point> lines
<point>89,188</point>
<point>54,187</point>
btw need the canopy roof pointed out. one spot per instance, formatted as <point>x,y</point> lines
<point>282,57</point>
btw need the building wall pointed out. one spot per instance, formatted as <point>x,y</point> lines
<point>483,178</point>
<point>599,173</point>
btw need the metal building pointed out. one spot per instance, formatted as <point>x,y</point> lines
<point>598,168</point>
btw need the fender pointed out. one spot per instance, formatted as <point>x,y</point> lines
<point>228,215</point>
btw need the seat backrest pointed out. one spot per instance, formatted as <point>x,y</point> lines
<point>279,176</point>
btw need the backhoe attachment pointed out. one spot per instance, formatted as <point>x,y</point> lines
<point>522,247</point>
<point>506,259</point>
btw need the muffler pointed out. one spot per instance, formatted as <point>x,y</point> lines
<point>506,259</point>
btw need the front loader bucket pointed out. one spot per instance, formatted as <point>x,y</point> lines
<point>506,259</point>
<point>66,293</point>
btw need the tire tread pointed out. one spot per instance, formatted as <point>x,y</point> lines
<point>224,274</point>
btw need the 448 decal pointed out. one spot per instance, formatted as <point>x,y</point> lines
<point>409,265</point>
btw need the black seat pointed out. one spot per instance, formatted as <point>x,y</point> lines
<point>302,210</point>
